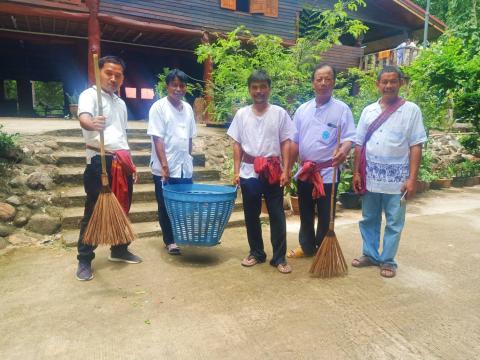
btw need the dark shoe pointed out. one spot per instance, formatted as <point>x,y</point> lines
<point>363,261</point>
<point>388,270</point>
<point>84,271</point>
<point>126,257</point>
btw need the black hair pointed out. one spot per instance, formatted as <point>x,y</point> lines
<point>112,60</point>
<point>321,66</point>
<point>259,75</point>
<point>175,73</point>
<point>390,69</point>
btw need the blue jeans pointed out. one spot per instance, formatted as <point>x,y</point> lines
<point>372,206</point>
<point>163,219</point>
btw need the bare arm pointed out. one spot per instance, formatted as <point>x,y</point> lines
<point>237,156</point>
<point>88,122</point>
<point>411,184</point>
<point>356,181</point>
<point>287,168</point>
<point>340,156</point>
<point>162,157</point>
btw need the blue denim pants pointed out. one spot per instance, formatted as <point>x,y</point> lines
<point>372,206</point>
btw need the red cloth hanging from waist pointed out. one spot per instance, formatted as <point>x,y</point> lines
<point>268,169</point>
<point>122,167</point>
<point>310,172</point>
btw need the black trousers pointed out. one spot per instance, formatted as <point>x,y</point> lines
<point>252,191</point>
<point>93,184</point>
<point>308,239</point>
<point>163,219</point>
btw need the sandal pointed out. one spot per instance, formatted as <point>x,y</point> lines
<point>388,270</point>
<point>173,249</point>
<point>363,261</point>
<point>250,260</point>
<point>296,253</point>
<point>284,268</point>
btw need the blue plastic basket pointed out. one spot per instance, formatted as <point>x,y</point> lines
<point>199,212</point>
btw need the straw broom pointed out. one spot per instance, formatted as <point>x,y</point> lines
<point>109,225</point>
<point>329,260</point>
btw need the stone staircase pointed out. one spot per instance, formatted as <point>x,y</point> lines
<point>143,213</point>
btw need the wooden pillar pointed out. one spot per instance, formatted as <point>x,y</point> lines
<point>93,37</point>
<point>25,99</point>
<point>207,77</point>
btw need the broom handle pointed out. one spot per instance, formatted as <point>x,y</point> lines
<point>334,180</point>
<point>100,113</point>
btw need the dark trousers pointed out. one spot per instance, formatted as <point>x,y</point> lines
<point>93,184</point>
<point>309,240</point>
<point>163,218</point>
<point>252,191</point>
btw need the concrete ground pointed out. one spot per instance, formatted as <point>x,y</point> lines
<point>204,305</point>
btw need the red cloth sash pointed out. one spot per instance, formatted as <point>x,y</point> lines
<point>310,172</point>
<point>268,169</point>
<point>122,167</point>
<point>379,121</point>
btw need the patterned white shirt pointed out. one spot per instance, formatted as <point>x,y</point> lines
<point>388,150</point>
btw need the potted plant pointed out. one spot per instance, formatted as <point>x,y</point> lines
<point>73,104</point>
<point>348,198</point>
<point>458,180</point>
<point>291,190</point>
<point>443,178</point>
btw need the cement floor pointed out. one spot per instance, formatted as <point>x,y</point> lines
<point>204,305</point>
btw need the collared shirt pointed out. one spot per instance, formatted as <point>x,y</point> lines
<point>175,128</point>
<point>316,131</point>
<point>115,112</point>
<point>260,135</point>
<point>388,150</point>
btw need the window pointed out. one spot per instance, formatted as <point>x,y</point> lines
<point>265,7</point>
<point>130,93</point>
<point>146,94</point>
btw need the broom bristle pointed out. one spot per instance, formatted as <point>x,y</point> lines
<point>109,225</point>
<point>329,261</point>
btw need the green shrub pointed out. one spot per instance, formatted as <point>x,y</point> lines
<point>471,143</point>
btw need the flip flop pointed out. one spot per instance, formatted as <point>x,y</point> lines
<point>249,261</point>
<point>388,271</point>
<point>296,253</point>
<point>284,268</point>
<point>363,261</point>
<point>173,249</point>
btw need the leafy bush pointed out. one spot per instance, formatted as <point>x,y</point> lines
<point>345,184</point>
<point>471,143</point>
<point>292,188</point>
<point>161,87</point>
<point>8,143</point>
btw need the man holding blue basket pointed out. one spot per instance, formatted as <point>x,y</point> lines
<point>261,134</point>
<point>172,126</point>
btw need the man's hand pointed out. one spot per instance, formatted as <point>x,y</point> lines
<point>135,177</point>
<point>98,123</point>
<point>284,178</point>
<point>410,186</point>
<point>339,157</point>
<point>357,182</point>
<point>236,179</point>
<point>165,173</point>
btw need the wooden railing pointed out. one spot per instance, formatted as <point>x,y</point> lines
<point>396,57</point>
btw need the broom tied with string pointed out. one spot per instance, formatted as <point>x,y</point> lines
<point>329,260</point>
<point>109,225</point>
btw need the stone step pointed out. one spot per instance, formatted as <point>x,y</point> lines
<point>75,196</point>
<point>140,132</point>
<point>139,157</point>
<point>74,175</point>
<point>78,143</point>
<point>139,213</point>
<point>152,228</point>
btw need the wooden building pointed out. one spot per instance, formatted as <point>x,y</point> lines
<point>52,40</point>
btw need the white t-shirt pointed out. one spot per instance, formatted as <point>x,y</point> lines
<point>388,150</point>
<point>175,128</point>
<point>260,135</point>
<point>115,112</point>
